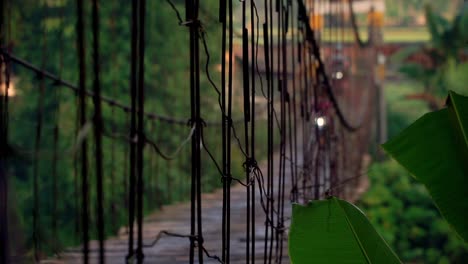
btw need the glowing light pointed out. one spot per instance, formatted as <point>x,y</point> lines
<point>339,75</point>
<point>320,121</point>
<point>381,59</point>
<point>11,89</point>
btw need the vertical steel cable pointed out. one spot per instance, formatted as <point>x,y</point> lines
<point>315,110</point>
<point>97,124</point>
<point>228,173</point>
<point>246,94</point>
<point>141,127</point>
<point>198,129</point>
<point>269,81</point>
<point>84,144</point>
<point>271,139</point>
<point>193,190</point>
<point>133,127</point>
<point>279,76</point>
<point>301,59</point>
<point>308,67</point>
<point>227,123</point>
<point>254,66</point>
<point>288,101</point>
<point>223,20</point>
<point>4,246</point>
<point>294,42</point>
<point>196,226</point>
<point>283,119</point>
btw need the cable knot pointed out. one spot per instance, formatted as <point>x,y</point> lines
<point>200,240</point>
<point>227,176</point>
<point>142,137</point>
<point>280,228</point>
<point>193,238</point>
<point>250,164</point>
<point>228,121</point>
<point>191,23</point>
<point>196,23</point>
<point>268,222</point>
<point>196,121</point>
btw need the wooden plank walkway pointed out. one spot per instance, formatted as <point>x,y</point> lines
<point>176,219</point>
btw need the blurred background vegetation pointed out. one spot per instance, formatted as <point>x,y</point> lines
<point>418,80</point>
<point>409,12</point>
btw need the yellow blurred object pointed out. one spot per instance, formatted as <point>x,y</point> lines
<point>381,72</point>
<point>11,90</point>
<point>375,18</point>
<point>316,22</point>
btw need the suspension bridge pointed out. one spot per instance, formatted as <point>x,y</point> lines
<point>287,116</point>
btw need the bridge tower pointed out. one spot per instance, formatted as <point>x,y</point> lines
<point>375,20</point>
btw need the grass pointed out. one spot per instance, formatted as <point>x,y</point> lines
<point>391,35</point>
<point>401,111</point>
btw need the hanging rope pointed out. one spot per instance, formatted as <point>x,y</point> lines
<point>357,36</point>
<point>321,67</point>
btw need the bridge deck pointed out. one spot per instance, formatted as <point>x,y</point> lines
<point>176,218</point>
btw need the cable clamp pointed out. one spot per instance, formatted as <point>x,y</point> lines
<point>227,177</point>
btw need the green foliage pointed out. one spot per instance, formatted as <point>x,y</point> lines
<point>443,53</point>
<point>400,208</point>
<point>405,11</point>
<point>393,193</point>
<point>448,37</point>
<point>457,78</point>
<point>402,112</point>
<point>335,231</point>
<point>402,211</point>
<point>442,164</point>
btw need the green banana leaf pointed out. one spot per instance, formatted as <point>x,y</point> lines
<point>335,231</point>
<point>434,149</point>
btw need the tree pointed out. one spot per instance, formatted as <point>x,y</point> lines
<point>435,64</point>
